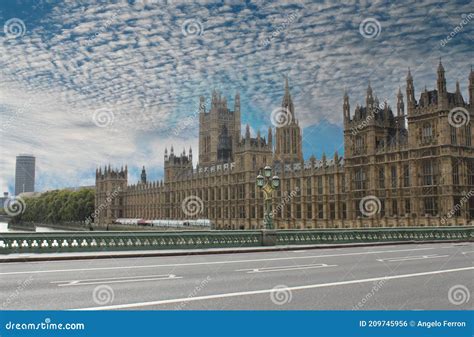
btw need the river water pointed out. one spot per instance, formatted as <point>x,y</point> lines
<point>4,228</point>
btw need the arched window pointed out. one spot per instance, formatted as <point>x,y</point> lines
<point>426,133</point>
<point>467,131</point>
<point>360,179</point>
<point>428,173</point>
<point>453,135</point>
<point>359,144</point>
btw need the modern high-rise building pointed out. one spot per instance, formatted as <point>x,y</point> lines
<point>24,174</point>
<point>412,167</point>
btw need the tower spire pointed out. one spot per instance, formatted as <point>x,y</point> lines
<point>288,136</point>
<point>237,121</point>
<point>369,99</point>
<point>270,136</point>
<point>143,176</point>
<point>411,102</point>
<point>400,104</point>
<point>202,104</point>
<point>346,107</point>
<point>441,84</point>
<point>471,89</point>
<point>287,102</point>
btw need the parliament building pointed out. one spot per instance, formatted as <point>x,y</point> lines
<point>409,167</point>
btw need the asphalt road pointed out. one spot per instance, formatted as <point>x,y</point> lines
<point>408,277</point>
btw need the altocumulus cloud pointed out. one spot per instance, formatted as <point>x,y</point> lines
<point>134,60</point>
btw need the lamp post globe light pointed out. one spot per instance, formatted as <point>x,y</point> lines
<point>276,182</point>
<point>268,184</point>
<point>267,171</point>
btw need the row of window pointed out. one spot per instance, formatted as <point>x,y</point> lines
<point>430,207</point>
<point>394,176</point>
<point>429,175</point>
<point>290,141</point>
<point>455,131</point>
<point>426,137</point>
<point>307,211</point>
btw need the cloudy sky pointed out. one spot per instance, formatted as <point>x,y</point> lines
<point>85,83</point>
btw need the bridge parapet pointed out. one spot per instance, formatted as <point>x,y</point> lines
<point>418,234</point>
<point>59,242</point>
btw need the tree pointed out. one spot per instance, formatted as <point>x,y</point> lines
<point>58,206</point>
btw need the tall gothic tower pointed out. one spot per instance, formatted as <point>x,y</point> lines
<point>288,132</point>
<point>219,130</point>
<point>110,186</point>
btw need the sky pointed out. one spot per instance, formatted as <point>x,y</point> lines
<point>89,83</point>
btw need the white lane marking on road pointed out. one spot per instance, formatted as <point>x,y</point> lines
<point>267,291</point>
<point>117,281</point>
<point>286,268</point>
<point>140,278</point>
<point>411,258</point>
<point>468,252</point>
<point>299,251</point>
<point>208,263</point>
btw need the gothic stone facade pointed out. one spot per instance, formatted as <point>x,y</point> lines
<point>415,168</point>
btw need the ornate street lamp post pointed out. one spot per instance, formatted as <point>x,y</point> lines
<point>268,184</point>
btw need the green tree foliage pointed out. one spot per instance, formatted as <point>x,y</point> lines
<point>58,206</point>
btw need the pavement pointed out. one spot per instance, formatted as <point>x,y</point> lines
<point>435,276</point>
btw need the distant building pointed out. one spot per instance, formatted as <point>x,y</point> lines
<point>24,174</point>
<point>3,198</point>
<point>30,194</point>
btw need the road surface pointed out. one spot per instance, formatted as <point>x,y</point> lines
<point>405,277</point>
